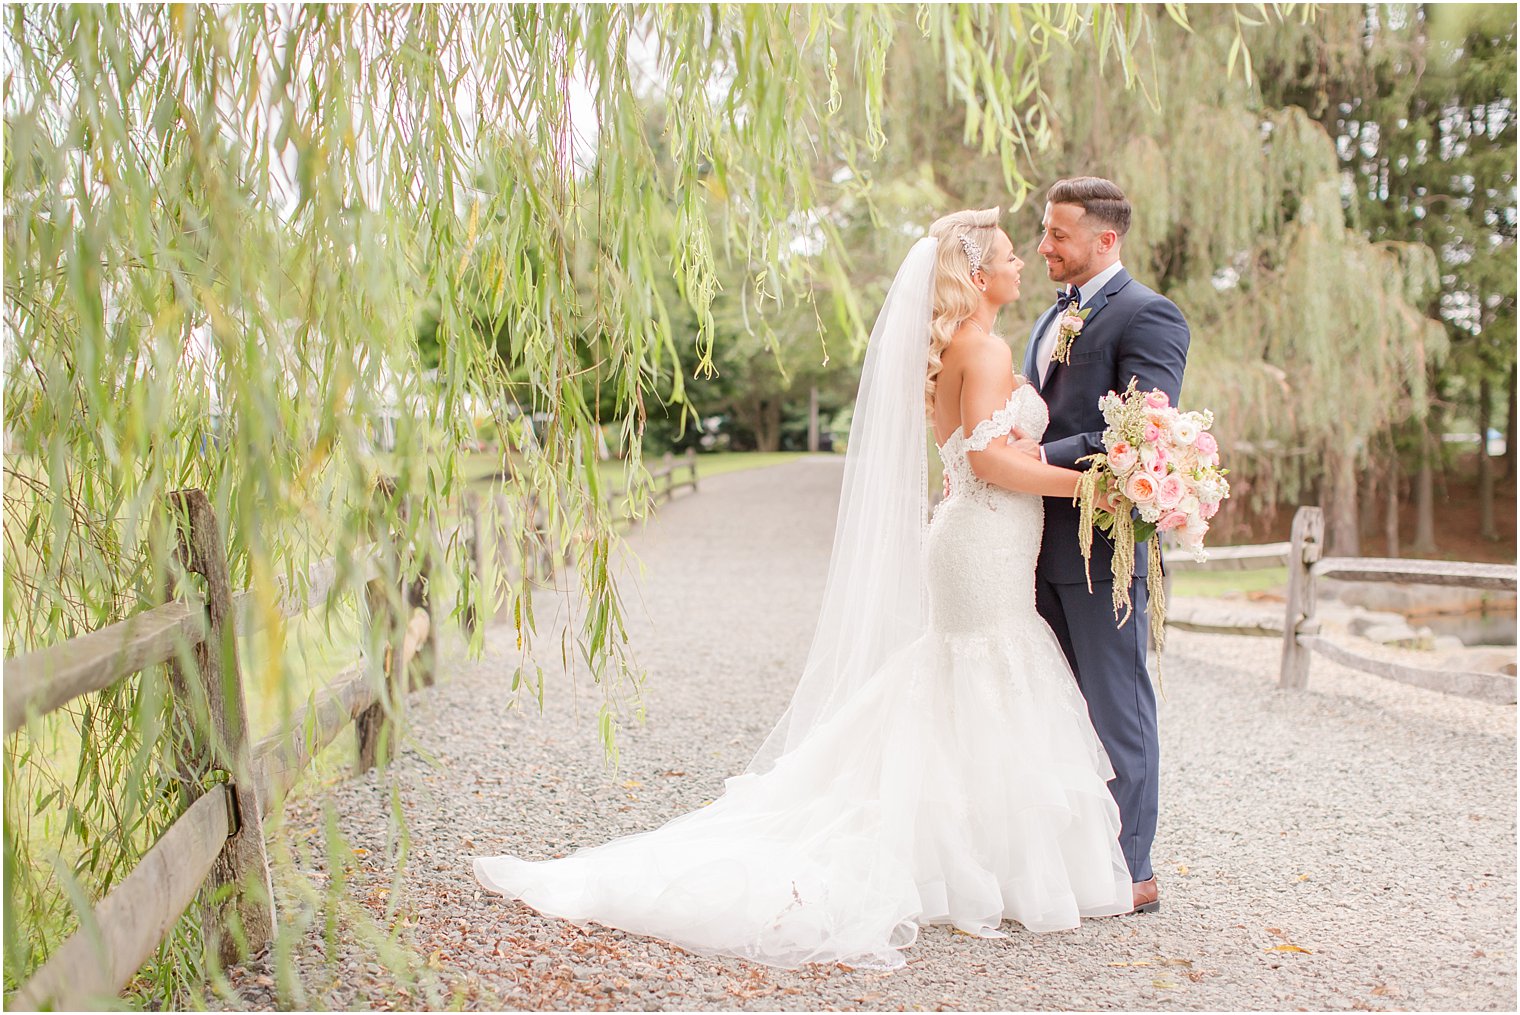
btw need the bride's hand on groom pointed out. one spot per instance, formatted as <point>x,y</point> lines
<point>1028,445</point>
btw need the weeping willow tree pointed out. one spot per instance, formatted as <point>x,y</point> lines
<point>224,224</point>
<point>1310,339</point>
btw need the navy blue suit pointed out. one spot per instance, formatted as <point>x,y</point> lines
<point>1130,331</point>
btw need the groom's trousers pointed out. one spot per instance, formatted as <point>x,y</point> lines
<point>1109,663</point>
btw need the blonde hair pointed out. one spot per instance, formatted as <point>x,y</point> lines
<point>955,297</point>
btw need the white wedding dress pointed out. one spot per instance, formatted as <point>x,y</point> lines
<point>961,784</point>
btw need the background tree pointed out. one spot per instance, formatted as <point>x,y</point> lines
<point>1420,99</point>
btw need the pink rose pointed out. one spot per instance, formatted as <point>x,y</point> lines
<point>1206,444</point>
<point>1170,492</point>
<point>1157,399</point>
<point>1152,433</point>
<point>1171,520</point>
<point>1208,511</point>
<point>1122,457</point>
<point>1140,488</point>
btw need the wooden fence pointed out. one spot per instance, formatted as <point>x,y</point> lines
<point>218,840</point>
<point>664,478</point>
<point>1302,636</point>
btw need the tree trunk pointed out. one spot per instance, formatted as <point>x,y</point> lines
<point>1424,486</point>
<point>1391,503</point>
<point>1345,535</point>
<point>1509,430</point>
<point>1486,525</point>
<point>768,425</point>
<point>813,419</point>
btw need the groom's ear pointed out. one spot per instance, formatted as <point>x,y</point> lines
<point>1108,240</point>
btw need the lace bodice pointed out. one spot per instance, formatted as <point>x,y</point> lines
<point>984,541</point>
<point>1025,409</point>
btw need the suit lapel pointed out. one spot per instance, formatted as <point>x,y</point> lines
<point>1113,286</point>
<point>1032,354</point>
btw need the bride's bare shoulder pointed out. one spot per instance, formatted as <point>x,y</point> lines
<point>977,353</point>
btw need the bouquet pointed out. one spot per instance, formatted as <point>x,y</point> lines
<point>1164,464</point>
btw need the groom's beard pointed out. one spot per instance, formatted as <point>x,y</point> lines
<point>1067,269</point>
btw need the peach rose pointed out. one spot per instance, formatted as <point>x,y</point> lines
<point>1122,457</point>
<point>1206,444</point>
<point>1157,399</point>
<point>1140,488</point>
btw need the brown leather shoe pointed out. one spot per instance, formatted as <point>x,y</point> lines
<point>1147,897</point>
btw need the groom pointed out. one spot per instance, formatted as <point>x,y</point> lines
<point>1129,331</point>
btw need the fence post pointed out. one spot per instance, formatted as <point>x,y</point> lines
<point>1308,542</point>
<point>500,530</point>
<point>380,595</point>
<point>213,722</point>
<point>670,475</point>
<point>476,556</point>
<point>424,669</point>
<point>691,460</point>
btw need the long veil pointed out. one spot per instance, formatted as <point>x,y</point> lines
<point>873,601</point>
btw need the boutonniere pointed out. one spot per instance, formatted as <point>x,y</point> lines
<point>1071,327</point>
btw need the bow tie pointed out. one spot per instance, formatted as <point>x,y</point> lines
<point>1071,297</point>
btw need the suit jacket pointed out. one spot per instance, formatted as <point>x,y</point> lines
<point>1132,331</point>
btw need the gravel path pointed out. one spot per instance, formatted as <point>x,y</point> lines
<point>1352,846</point>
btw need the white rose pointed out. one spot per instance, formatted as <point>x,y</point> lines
<point>1185,431</point>
<point>1188,505</point>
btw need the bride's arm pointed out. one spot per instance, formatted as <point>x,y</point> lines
<point>988,381</point>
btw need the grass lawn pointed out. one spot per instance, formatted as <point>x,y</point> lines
<point>1217,583</point>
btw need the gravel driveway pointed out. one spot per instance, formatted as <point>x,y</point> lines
<point>1351,846</point>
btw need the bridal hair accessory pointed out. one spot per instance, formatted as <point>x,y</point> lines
<point>973,251</point>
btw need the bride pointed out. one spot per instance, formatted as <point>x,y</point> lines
<point>936,764</point>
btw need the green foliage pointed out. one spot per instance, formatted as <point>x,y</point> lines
<point>226,228</point>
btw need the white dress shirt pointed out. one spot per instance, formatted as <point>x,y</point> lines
<point>1047,348</point>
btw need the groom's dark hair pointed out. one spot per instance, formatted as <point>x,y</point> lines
<point>1101,199</point>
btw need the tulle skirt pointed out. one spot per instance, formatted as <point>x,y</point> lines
<point>963,785</point>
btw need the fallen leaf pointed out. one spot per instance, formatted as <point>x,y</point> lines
<point>1303,877</point>
<point>360,851</point>
<point>1382,990</point>
<point>631,784</point>
<point>1178,962</point>
<point>1163,984</point>
<point>1289,948</point>
<point>1182,870</point>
